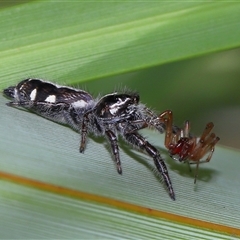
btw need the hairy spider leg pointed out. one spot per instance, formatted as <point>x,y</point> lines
<point>110,135</point>
<point>136,139</point>
<point>138,127</point>
<point>113,140</point>
<point>152,122</point>
<point>84,130</point>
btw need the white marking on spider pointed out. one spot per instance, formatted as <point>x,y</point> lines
<point>115,107</point>
<point>79,104</point>
<point>16,93</point>
<point>114,110</point>
<point>51,99</point>
<point>33,94</point>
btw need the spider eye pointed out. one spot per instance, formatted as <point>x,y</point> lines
<point>136,99</point>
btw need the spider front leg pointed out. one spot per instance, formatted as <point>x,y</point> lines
<point>113,140</point>
<point>137,140</point>
<point>153,121</point>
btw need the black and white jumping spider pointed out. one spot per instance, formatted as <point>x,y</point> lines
<point>112,115</point>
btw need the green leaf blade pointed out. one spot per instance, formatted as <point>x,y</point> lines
<point>76,42</point>
<point>87,46</point>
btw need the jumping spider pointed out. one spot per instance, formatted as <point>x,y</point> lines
<point>112,115</point>
<point>186,148</point>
